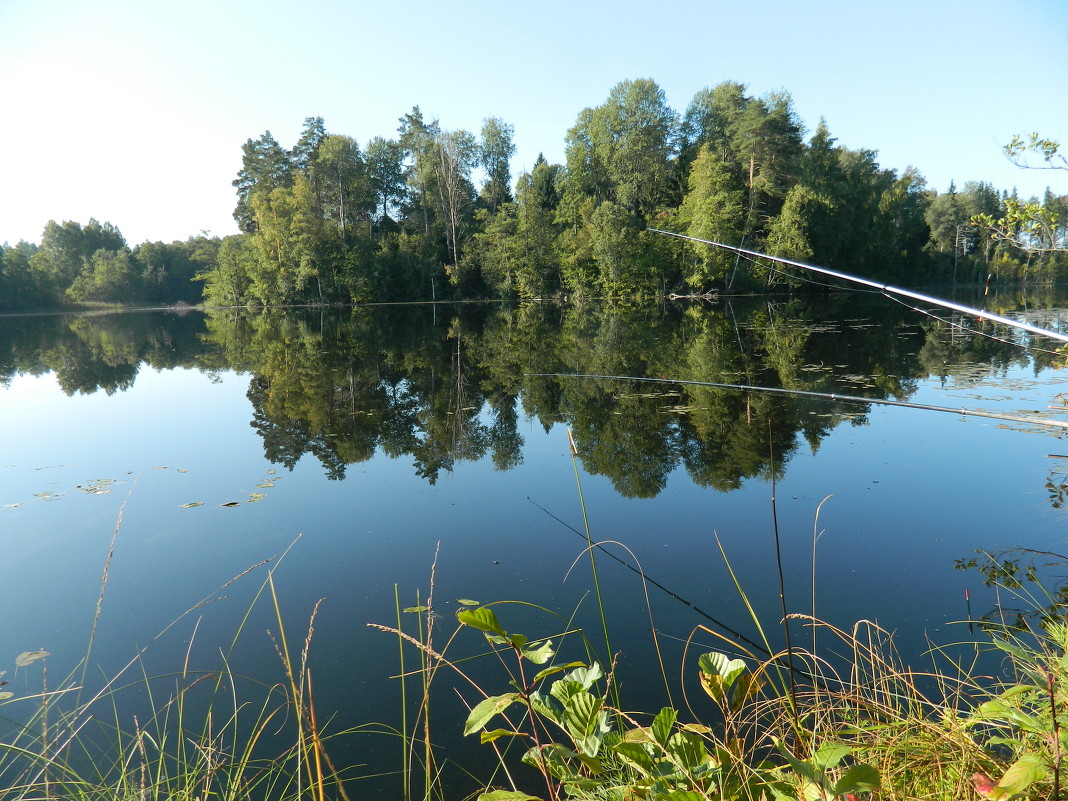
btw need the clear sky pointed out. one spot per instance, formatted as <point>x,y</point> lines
<point>134,111</point>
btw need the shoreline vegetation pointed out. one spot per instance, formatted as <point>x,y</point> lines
<point>329,223</point>
<point>841,717</point>
<point>433,214</point>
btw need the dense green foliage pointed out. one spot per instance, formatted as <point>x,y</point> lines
<point>847,722</point>
<point>93,264</point>
<point>431,214</point>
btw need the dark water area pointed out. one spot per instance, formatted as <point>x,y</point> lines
<point>375,445</point>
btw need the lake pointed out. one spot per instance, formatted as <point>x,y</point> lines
<point>376,445</point>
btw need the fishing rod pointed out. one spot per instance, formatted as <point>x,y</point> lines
<point>886,288</point>
<point>832,396</point>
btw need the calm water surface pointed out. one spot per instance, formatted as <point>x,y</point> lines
<point>376,442</point>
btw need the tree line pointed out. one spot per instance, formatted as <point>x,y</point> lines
<point>431,212</point>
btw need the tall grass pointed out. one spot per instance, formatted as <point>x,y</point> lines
<point>848,720</point>
<point>856,722</point>
<point>196,735</point>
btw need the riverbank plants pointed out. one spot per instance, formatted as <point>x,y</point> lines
<point>859,723</point>
<point>845,718</point>
<point>842,718</point>
<point>192,734</point>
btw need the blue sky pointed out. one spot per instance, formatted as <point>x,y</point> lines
<point>134,111</point>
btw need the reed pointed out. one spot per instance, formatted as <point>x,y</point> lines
<point>850,720</point>
<point>863,723</point>
<point>197,734</point>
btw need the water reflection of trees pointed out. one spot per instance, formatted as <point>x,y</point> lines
<point>89,353</point>
<point>445,386</point>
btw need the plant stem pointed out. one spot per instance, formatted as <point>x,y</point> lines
<point>406,765</point>
<point>1051,689</point>
<point>542,764</point>
<point>782,597</point>
<point>593,560</point>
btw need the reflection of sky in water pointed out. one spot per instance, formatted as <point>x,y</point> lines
<point>912,492</point>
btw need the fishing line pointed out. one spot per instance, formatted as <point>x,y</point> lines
<point>832,396</point>
<point>974,331</point>
<point>656,583</point>
<point>719,624</point>
<point>814,282</point>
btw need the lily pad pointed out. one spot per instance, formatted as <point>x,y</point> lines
<point>100,486</point>
<point>48,495</point>
<point>266,484</point>
<point>232,503</point>
<point>253,497</point>
<point>191,505</point>
<point>4,695</point>
<point>29,657</point>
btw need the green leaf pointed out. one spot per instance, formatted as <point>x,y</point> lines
<point>661,726</point>
<point>563,689</point>
<point>482,619</point>
<point>585,722</point>
<point>714,687</point>
<point>496,734</point>
<point>718,675</point>
<point>556,759</point>
<point>466,602</point>
<point>578,680</point>
<point>506,795</point>
<point>801,768</point>
<point>556,669</point>
<point>696,728</point>
<point>1023,655</point>
<point>635,755</point>
<point>517,641</point>
<point>416,609</point>
<point>539,656</point>
<point>593,765</point>
<point>858,779</point>
<point>829,754</point>
<point>587,676</point>
<point>580,712</point>
<point>486,709</point>
<point>547,707</point>
<point>1021,774</point>
<point>687,749</point>
<point>999,711</point>
<point>717,664</point>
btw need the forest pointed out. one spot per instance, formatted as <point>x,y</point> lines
<point>433,213</point>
